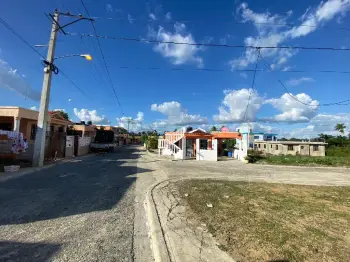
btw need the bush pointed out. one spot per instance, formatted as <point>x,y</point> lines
<point>144,138</point>
<point>307,160</point>
<point>152,142</point>
<point>338,151</point>
<point>254,156</point>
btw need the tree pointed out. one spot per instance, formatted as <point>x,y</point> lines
<point>340,128</point>
<point>63,114</point>
<point>213,129</point>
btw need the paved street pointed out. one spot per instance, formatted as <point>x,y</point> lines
<point>80,210</point>
<point>93,208</point>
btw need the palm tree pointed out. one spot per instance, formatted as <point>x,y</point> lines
<point>340,128</point>
<point>213,129</point>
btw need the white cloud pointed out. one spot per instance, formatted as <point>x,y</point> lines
<point>109,8</point>
<point>292,110</point>
<point>59,109</point>
<point>298,81</point>
<point>11,79</point>
<point>177,115</point>
<point>286,68</point>
<point>134,124</point>
<point>168,16</point>
<point>130,19</point>
<point>178,54</point>
<point>271,34</point>
<point>234,106</point>
<point>321,123</point>
<point>33,108</point>
<point>152,16</point>
<point>70,100</point>
<point>244,75</point>
<point>90,115</point>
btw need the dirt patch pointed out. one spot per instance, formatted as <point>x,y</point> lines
<point>271,222</point>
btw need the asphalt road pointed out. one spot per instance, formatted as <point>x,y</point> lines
<point>81,210</point>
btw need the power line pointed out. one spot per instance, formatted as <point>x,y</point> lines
<point>253,84</point>
<point>143,40</point>
<point>339,103</point>
<point>36,51</point>
<point>63,6</point>
<point>222,21</point>
<point>103,58</point>
<point>20,37</point>
<point>215,70</point>
<point>74,84</point>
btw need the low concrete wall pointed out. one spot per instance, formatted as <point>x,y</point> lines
<point>69,146</point>
<point>205,154</point>
<point>84,145</point>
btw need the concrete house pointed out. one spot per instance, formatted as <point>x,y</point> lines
<point>194,144</point>
<point>291,148</point>
<point>24,120</point>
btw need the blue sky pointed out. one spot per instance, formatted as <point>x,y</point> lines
<point>164,98</point>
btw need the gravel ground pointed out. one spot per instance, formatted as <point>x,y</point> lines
<point>79,210</point>
<point>236,170</point>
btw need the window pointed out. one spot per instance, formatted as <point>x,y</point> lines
<point>265,146</point>
<point>33,132</point>
<point>290,148</point>
<point>259,145</point>
<point>315,147</point>
<point>203,144</point>
<point>256,137</point>
<point>276,147</point>
<point>301,147</point>
<point>6,126</point>
<point>271,146</point>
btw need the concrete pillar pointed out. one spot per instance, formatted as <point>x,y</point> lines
<point>16,124</point>
<point>197,149</point>
<point>215,148</point>
<point>245,146</point>
<point>184,150</point>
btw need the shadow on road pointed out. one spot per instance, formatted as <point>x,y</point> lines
<point>94,184</point>
<point>17,251</point>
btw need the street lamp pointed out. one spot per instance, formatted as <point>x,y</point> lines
<point>86,56</point>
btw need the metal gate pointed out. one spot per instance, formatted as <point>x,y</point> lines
<point>55,145</point>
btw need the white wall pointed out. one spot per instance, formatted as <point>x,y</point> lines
<point>84,145</point>
<point>69,146</point>
<point>242,148</point>
<point>207,155</point>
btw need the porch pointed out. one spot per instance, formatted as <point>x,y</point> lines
<point>196,144</point>
<point>24,121</point>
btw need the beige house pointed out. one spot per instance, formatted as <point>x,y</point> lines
<point>85,130</point>
<point>291,148</point>
<point>24,120</point>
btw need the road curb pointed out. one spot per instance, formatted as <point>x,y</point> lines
<point>158,237</point>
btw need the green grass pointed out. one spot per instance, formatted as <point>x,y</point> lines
<point>270,222</point>
<point>338,151</point>
<point>305,160</point>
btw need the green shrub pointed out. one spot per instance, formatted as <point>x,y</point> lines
<point>152,142</point>
<point>338,151</point>
<point>306,160</point>
<point>254,156</point>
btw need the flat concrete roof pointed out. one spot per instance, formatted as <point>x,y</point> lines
<point>292,142</point>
